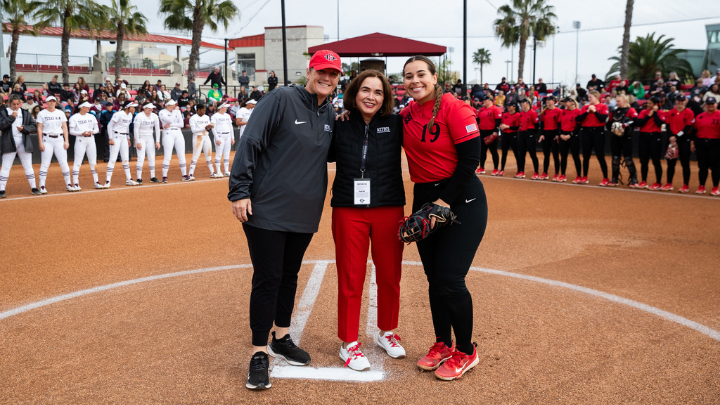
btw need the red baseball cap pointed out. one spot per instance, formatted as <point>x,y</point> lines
<point>325,59</point>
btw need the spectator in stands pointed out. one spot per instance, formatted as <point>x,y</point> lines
<point>637,90</point>
<point>448,89</point>
<point>29,103</point>
<point>21,81</point>
<point>35,111</point>
<point>581,94</point>
<point>255,95</point>
<point>500,99</point>
<point>101,91</point>
<point>244,80</point>
<point>6,85</point>
<point>459,88</point>
<point>216,78</point>
<point>214,93</point>
<point>615,82</point>
<point>272,81</point>
<point>83,84</point>
<point>45,91</point>
<point>98,106</point>
<point>243,94</point>
<point>122,90</point>
<point>158,85</point>
<point>658,87</point>
<point>119,102</point>
<point>521,85</point>
<point>54,88</point>
<point>164,94</point>
<point>176,92</point>
<point>76,92</point>
<point>541,88</point>
<point>511,97</point>
<point>717,75</point>
<point>622,88</point>
<point>191,87</point>
<point>504,86</point>
<point>714,92</point>
<point>38,96</point>
<point>183,99</point>
<point>146,89</point>
<point>595,84</point>
<point>118,84</point>
<point>17,90</point>
<point>66,94</point>
<point>476,91</point>
<point>674,80</point>
<point>706,79</point>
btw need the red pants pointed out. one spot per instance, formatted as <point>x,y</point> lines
<point>352,230</point>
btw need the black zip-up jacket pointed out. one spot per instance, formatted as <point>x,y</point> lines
<point>7,144</point>
<point>281,161</point>
<point>383,163</point>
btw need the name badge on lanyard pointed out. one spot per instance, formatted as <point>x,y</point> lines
<point>361,189</point>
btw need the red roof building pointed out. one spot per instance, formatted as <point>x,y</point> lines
<point>378,44</point>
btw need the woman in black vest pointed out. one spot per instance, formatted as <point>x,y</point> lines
<point>367,199</point>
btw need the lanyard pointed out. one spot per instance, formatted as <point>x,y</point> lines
<point>364,153</point>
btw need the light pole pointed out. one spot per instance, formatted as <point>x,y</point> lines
<point>512,60</point>
<point>552,79</point>
<point>507,69</point>
<point>576,25</point>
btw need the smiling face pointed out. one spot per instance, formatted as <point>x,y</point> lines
<point>370,97</point>
<point>487,103</point>
<point>321,82</point>
<point>420,80</point>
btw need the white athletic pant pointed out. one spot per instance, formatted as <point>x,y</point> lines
<point>83,145</point>
<point>148,148</point>
<point>201,144</point>
<point>173,138</point>
<point>222,151</point>
<point>54,146</point>
<point>25,159</point>
<point>121,145</point>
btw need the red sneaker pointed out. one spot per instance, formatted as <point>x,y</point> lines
<point>562,178</point>
<point>700,190</point>
<point>535,176</point>
<point>495,172</point>
<point>612,184</point>
<point>520,175</point>
<point>437,355</point>
<point>577,180</point>
<point>667,187</point>
<point>604,183</point>
<point>501,173</point>
<point>715,191</point>
<point>544,176</point>
<point>584,180</point>
<point>685,189</point>
<point>556,177</point>
<point>655,187</point>
<point>480,170</point>
<point>643,184</point>
<point>457,365</point>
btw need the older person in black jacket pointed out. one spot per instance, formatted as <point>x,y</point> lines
<point>368,199</point>
<point>16,125</point>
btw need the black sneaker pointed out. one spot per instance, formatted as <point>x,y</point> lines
<point>259,373</point>
<point>154,180</point>
<point>34,191</point>
<point>139,181</point>
<point>285,349</point>
<point>2,193</point>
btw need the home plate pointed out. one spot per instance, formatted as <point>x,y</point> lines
<point>326,373</point>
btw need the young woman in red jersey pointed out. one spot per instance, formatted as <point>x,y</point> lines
<point>679,125</point>
<point>489,118</point>
<point>509,126</point>
<point>549,137</point>
<point>529,121</point>
<point>442,144</point>
<point>706,145</point>
<point>570,139</point>
<point>620,126</point>
<point>650,122</point>
<point>592,120</point>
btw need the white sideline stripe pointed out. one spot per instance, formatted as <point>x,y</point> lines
<point>327,373</point>
<point>307,301</point>
<point>378,355</point>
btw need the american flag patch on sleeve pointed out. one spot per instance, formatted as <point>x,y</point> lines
<point>471,128</point>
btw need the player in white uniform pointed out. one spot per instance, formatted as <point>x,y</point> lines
<point>119,135</point>
<point>145,123</point>
<point>200,125</point>
<point>244,115</point>
<point>172,123</point>
<point>53,140</point>
<point>84,126</point>
<point>224,138</point>
<point>18,138</point>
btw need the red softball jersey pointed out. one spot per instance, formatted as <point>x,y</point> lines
<point>487,116</point>
<point>551,118</point>
<point>650,124</point>
<point>431,153</point>
<point>677,120</point>
<point>511,120</point>
<point>708,125</point>
<point>528,120</point>
<point>567,120</point>
<point>591,120</point>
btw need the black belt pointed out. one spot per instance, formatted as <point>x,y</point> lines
<point>120,133</point>
<point>52,136</point>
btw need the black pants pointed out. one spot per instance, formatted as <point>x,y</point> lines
<point>527,143</point>
<point>276,257</point>
<point>102,144</point>
<point>593,137</point>
<point>549,144</point>
<point>621,148</point>
<point>508,141</point>
<point>447,256</point>
<point>708,156</point>
<point>683,144</point>
<point>650,148</point>
<point>572,145</point>
<point>484,149</point>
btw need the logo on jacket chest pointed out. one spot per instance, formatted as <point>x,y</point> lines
<point>382,130</point>
<point>328,128</point>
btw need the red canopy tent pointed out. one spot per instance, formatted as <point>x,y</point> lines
<point>378,44</point>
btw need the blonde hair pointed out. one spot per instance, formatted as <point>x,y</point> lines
<point>706,74</point>
<point>595,94</point>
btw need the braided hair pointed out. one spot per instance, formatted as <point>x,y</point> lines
<point>437,89</point>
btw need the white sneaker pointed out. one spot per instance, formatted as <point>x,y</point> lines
<point>43,190</point>
<point>389,342</point>
<point>107,184</point>
<point>77,187</point>
<point>131,183</point>
<point>216,176</point>
<point>70,188</point>
<point>227,174</point>
<point>353,357</point>
<point>99,186</point>
<point>191,177</point>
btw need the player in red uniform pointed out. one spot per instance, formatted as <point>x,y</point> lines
<point>550,137</point>
<point>509,127</point>
<point>570,139</point>
<point>679,125</point>
<point>650,122</point>
<point>489,118</point>
<point>442,144</point>
<point>706,145</point>
<point>592,120</point>
<point>620,126</point>
<point>529,126</point>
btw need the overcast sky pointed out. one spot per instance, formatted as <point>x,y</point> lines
<point>425,20</point>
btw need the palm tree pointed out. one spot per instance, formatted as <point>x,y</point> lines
<point>626,39</point>
<point>194,15</point>
<point>147,63</point>
<point>522,19</point>
<point>71,15</point>
<point>16,10</point>
<point>124,20</point>
<point>481,57</point>
<point>648,55</point>
<point>122,61</point>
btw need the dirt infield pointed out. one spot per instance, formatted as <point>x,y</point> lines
<point>185,337</point>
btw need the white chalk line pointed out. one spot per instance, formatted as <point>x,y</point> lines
<point>342,374</point>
